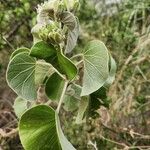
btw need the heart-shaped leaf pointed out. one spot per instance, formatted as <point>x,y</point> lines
<point>40,129</point>
<point>96,69</point>
<point>42,50</point>
<point>19,50</point>
<point>20,76</point>
<point>54,87</point>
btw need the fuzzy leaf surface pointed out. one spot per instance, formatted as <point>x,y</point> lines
<point>96,67</point>
<point>21,76</point>
<point>72,38</point>
<point>19,50</point>
<point>68,19</point>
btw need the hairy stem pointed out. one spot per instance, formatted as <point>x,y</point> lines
<point>76,56</point>
<point>62,96</point>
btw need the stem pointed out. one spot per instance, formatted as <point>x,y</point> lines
<point>78,63</point>
<point>59,74</point>
<point>76,56</point>
<point>8,42</point>
<point>62,96</point>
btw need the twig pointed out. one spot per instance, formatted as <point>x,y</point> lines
<point>76,56</point>
<point>62,96</point>
<point>93,144</point>
<point>126,147</point>
<point>9,134</point>
<point>78,63</point>
<point>115,142</point>
<point>5,39</point>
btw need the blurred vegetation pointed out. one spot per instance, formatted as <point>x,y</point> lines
<point>125,29</point>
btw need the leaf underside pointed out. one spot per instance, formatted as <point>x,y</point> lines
<point>19,50</point>
<point>21,76</point>
<point>68,19</point>
<point>96,69</point>
<point>72,38</point>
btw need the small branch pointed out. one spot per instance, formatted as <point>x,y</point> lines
<point>115,142</point>
<point>123,144</point>
<point>78,63</point>
<point>9,134</point>
<point>93,144</point>
<point>8,42</point>
<point>62,96</point>
<point>76,56</point>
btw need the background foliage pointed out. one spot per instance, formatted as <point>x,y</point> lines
<point>124,26</point>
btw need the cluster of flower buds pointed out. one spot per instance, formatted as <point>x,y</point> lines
<point>49,27</point>
<point>51,33</point>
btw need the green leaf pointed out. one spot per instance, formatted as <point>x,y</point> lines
<point>54,87</point>
<point>21,76</point>
<point>82,110</point>
<point>96,69</point>
<point>20,106</point>
<point>42,70</point>
<point>39,128</point>
<point>57,60</point>
<point>72,38</point>
<point>42,50</point>
<point>65,144</point>
<point>68,19</point>
<point>112,72</point>
<point>66,65</point>
<point>19,50</point>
